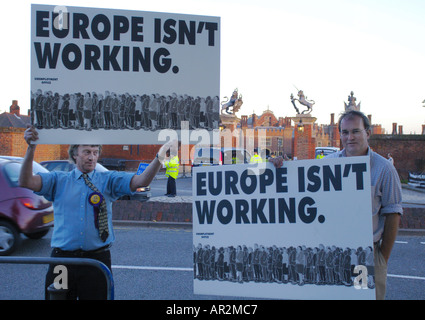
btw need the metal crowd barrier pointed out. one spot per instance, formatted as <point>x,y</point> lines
<point>67,261</point>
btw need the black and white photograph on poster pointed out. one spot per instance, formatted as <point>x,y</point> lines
<point>299,265</point>
<point>303,231</point>
<point>118,75</point>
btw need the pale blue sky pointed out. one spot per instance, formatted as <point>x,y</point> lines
<point>327,48</point>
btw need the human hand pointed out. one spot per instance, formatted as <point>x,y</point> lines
<point>277,162</point>
<point>171,145</point>
<point>30,134</point>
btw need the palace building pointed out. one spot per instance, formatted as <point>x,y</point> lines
<point>297,137</point>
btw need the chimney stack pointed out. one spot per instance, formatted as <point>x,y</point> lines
<point>14,108</point>
<point>394,128</point>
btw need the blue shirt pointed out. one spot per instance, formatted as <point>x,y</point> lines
<point>386,190</point>
<point>74,226</point>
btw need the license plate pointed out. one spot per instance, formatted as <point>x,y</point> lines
<point>48,218</point>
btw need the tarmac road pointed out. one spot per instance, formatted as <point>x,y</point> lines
<point>156,264</point>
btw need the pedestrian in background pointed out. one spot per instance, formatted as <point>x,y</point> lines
<point>256,158</point>
<point>390,159</point>
<point>172,164</point>
<point>321,155</point>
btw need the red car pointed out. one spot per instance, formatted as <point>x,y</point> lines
<point>21,210</point>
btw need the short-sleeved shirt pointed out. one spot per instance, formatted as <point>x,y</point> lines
<point>386,190</point>
<point>74,226</point>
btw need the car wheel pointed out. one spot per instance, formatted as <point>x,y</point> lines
<point>9,237</point>
<point>37,235</point>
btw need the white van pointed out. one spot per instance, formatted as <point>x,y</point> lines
<point>326,150</point>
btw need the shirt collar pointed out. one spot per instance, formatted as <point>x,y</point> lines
<point>368,153</point>
<point>78,174</point>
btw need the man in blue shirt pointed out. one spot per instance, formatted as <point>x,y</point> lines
<point>80,198</point>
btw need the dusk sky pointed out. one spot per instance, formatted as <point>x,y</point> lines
<point>326,48</point>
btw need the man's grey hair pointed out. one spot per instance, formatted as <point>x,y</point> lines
<point>73,148</point>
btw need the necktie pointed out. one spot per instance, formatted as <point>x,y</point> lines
<point>102,216</point>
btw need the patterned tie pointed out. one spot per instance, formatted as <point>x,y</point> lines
<point>102,216</point>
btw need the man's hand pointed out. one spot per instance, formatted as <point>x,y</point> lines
<point>278,161</point>
<point>26,177</point>
<point>170,145</point>
<point>30,134</point>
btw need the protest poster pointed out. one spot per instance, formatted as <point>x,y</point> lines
<point>303,231</point>
<point>107,76</point>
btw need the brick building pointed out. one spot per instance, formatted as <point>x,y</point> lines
<point>12,127</point>
<point>280,133</point>
<point>277,134</point>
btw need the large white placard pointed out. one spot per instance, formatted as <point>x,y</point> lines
<point>297,232</point>
<point>119,77</point>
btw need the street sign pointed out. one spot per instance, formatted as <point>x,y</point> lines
<point>142,167</point>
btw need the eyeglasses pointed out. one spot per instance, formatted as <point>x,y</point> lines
<point>355,132</point>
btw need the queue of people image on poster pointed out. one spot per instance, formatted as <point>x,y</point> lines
<point>92,111</point>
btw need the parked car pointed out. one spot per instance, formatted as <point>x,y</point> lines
<point>209,156</point>
<point>326,150</point>
<point>21,210</point>
<point>65,165</point>
<point>416,179</point>
<point>142,194</point>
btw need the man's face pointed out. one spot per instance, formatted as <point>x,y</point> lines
<point>354,137</point>
<point>86,158</point>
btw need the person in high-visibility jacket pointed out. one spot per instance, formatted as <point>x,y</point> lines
<point>256,158</point>
<point>321,155</point>
<point>172,171</point>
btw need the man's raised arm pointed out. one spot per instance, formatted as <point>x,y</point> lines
<point>147,176</point>
<point>26,177</point>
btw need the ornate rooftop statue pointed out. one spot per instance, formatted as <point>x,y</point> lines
<point>235,103</point>
<point>352,103</point>
<point>304,101</point>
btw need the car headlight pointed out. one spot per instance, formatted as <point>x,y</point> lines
<point>143,189</point>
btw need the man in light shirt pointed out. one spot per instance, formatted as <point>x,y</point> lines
<point>354,128</point>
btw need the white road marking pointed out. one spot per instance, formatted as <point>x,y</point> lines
<point>151,268</point>
<point>405,277</point>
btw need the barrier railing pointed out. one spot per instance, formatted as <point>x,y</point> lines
<point>67,261</point>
